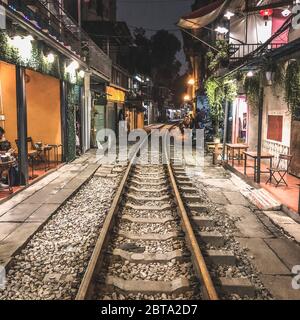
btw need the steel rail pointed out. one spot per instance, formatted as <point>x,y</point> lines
<point>199,262</point>
<point>86,288</point>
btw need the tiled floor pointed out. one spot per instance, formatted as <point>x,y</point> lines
<point>38,172</point>
<point>288,195</point>
<point>24,213</point>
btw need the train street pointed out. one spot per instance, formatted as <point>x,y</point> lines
<point>149,156</point>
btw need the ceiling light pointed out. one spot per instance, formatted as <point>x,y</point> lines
<point>221,30</point>
<point>74,64</point>
<point>228,14</point>
<point>285,12</point>
<point>81,74</point>
<point>50,58</point>
<point>250,74</point>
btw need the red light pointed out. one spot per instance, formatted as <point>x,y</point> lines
<point>266,13</point>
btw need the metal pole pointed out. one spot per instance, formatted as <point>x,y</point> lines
<point>22,125</point>
<point>79,13</point>
<point>259,136</point>
<point>225,134</point>
<point>63,112</point>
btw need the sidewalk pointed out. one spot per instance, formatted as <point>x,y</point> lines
<point>287,195</point>
<point>269,237</point>
<point>25,213</point>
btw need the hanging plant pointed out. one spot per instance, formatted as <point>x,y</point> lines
<point>217,91</point>
<point>215,59</point>
<point>252,86</point>
<point>292,87</point>
<point>37,61</point>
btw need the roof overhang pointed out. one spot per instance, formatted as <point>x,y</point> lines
<point>203,16</point>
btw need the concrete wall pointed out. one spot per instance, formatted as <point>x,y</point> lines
<point>8,103</point>
<point>43,108</point>
<point>274,104</point>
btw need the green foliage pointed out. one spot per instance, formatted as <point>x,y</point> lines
<point>73,96</point>
<point>220,57</point>
<point>155,56</point>
<point>217,92</point>
<point>292,87</point>
<point>37,62</point>
<point>252,87</point>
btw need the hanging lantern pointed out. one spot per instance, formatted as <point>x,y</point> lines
<point>266,13</point>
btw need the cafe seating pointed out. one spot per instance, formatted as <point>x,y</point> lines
<point>280,169</point>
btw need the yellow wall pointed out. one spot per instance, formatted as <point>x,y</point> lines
<point>43,108</point>
<point>140,120</point>
<point>8,101</point>
<point>115,95</point>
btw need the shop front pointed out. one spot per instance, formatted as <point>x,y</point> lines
<point>40,112</point>
<point>115,110</point>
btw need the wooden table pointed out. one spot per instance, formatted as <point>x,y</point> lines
<point>6,166</point>
<point>253,154</point>
<point>235,146</point>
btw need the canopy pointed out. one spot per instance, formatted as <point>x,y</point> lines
<point>203,16</point>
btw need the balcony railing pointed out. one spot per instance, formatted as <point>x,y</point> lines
<point>120,77</point>
<point>239,51</point>
<point>49,17</point>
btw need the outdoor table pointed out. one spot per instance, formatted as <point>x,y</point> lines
<point>55,151</point>
<point>235,146</point>
<point>45,149</point>
<point>253,154</point>
<point>6,166</point>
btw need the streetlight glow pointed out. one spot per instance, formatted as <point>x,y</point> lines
<point>186,98</point>
<point>191,81</point>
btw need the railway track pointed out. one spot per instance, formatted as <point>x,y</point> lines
<point>149,246</point>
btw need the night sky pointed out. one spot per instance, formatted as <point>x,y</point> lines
<point>153,15</point>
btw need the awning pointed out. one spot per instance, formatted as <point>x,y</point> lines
<point>203,16</point>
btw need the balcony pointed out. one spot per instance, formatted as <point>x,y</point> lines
<point>120,77</point>
<point>239,51</point>
<point>49,18</point>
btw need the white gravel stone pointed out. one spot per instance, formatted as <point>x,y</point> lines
<point>53,262</point>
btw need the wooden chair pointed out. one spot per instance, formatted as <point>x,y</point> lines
<point>279,169</point>
<point>32,155</point>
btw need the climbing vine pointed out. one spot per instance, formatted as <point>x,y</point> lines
<point>37,61</point>
<point>220,57</point>
<point>292,88</point>
<point>252,87</point>
<point>217,92</point>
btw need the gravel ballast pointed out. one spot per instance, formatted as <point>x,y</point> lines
<point>53,263</point>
